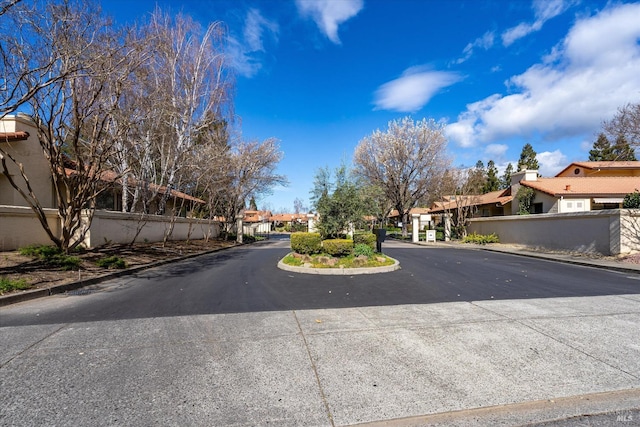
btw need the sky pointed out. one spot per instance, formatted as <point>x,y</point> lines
<point>321,75</point>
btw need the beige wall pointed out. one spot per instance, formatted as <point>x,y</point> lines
<point>29,153</point>
<point>607,232</point>
<point>19,228</point>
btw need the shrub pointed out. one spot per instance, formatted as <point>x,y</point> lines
<point>363,249</point>
<point>632,200</point>
<point>338,247</point>
<point>112,262</point>
<point>7,285</point>
<point>306,243</point>
<point>481,239</point>
<point>52,256</point>
<point>368,239</point>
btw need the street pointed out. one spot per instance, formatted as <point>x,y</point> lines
<point>229,339</point>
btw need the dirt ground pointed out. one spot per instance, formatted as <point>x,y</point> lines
<point>14,266</point>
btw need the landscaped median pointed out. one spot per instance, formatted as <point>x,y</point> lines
<point>312,255</point>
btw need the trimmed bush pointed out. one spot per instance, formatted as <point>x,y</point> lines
<point>306,243</point>
<point>368,239</point>
<point>337,247</point>
<point>481,239</point>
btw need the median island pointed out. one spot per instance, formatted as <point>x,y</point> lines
<point>312,255</point>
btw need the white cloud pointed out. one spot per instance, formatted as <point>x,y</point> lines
<point>247,53</point>
<point>551,162</point>
<point>496,151</point>
<point>543,11</point>
<point>594,71</point>
<point>413,89</point>
<point>329,14</point>
<point>485,42</point>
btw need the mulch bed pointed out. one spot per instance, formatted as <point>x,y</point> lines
<point>36,273</point>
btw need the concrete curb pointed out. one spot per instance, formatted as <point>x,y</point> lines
<point>340,271</point>
<point>66,287</point>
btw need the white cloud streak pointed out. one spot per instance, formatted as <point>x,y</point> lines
<point>543,11</point>
<point>413,89</point>
<point>485,42</point>
<point>592,72</point>
<point>329,14</point>
<point>551,162</point>
<point>247,52</point>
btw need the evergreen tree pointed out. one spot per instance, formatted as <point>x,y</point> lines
<point>528,158</point>
<point>505,181</point>
<point>622,151</point>
<point>476,179</point>
<point>492,183</point>
<point>602,150</point>
<point>253,206</point>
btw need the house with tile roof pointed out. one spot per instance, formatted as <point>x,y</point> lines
<point>580,187</point>
<point>18,137</point>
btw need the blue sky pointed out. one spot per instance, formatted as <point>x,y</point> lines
<point>320,75</point>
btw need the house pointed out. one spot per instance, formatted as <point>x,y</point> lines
<point>580,187</point>
<point>18,136</point>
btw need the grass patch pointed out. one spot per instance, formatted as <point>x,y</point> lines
<point>328,261</point>
<point>51,256</point>
<point>8,285</point>
<point>112,262</point>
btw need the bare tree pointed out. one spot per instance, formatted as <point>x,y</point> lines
<point>71,112</point>
<point>247,169</point>
<point>625,123</point>
<point>406,162</point>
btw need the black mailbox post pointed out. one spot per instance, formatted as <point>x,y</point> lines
<point>381,233</point>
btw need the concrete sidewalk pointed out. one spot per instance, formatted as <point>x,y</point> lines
<point>463,363</point>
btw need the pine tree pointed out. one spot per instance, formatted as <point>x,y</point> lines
<point>505,181</point>
<point>602,150</point>
<point>253,206</point>
<point>528,158</point>
<point>476,179</point>
<point>622,151</point>
<point>492,183</point>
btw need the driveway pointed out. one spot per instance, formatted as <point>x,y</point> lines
<point>456,336</point>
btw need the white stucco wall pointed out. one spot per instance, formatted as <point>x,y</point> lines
<point>607,232</point>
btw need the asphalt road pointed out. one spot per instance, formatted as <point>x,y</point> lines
<point>246,279</point>
<point>457,337</point>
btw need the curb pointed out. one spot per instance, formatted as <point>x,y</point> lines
<point>341,271</point>
<point>66,287</point>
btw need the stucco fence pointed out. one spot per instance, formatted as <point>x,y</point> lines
<point>606,232</point>
<point>19,227</point>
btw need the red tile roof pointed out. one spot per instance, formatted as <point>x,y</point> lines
<point>602,165</point>
<point>586,186</point>
<point>500,197</point>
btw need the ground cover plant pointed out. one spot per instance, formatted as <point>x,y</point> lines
<point>481,239</point>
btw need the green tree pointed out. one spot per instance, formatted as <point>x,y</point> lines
<point>253,206</point>
<point>622,150</point>
<point>339,203</point>
<point>528,158</point>
<point>505,181</point>
<point>602,150</point>
<point>475,181</point>
<point>525,196</point>
<point>492,183</point>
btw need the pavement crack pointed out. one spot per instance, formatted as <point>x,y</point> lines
<point>33,345</point>
<point>315,370</point>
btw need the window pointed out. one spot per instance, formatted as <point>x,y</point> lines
<point>578,205</point>
<point>569,205</point>
<point>536,208</point>
<point>576,171</point>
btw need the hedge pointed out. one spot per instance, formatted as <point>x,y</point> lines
<point>337,247</point>
<point>368,239</point>
<point>306,243</point>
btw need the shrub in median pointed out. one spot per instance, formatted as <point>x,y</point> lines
<point>306,243</point>
<point>365,239</point>
<point>338,247</point>
<point>362,249</point>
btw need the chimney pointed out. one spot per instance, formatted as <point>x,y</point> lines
<point>567,187</point>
